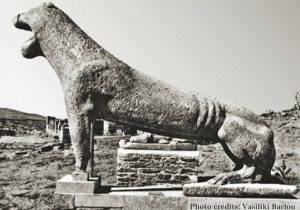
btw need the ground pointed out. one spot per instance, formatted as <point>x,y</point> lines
<point>28,181</point>
<point>286,127</point>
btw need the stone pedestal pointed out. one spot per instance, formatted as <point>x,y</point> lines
<point>168,200</point>
<point>78,183</point>
<point>156,167</point>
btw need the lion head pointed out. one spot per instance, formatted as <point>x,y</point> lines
<point>34,20</point>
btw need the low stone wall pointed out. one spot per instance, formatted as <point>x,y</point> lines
<point>156,167</point>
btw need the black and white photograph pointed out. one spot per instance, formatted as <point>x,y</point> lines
<point>150,105</point>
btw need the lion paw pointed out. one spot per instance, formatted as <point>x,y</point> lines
<point>228,178</point>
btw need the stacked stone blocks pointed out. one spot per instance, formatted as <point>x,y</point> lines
<point>156,167</point>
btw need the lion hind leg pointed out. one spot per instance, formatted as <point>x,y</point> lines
<point>250,146</point>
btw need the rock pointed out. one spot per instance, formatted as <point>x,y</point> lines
<point>49,146</point>
<point>2,157</point>
<point>59,147</point>
<point>157,138</point>
<point>142,138</point>
<point>46,147</point>
<point>163,141</point>
<point>283,114</point>
<point>21,152</point>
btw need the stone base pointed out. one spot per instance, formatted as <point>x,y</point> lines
<point>241,190</point>
<point>80,176</point>
<point>168,200</point>
<point>67,185</point>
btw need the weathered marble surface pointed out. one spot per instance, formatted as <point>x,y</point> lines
<point>240,190</point>
<point>98,85</point>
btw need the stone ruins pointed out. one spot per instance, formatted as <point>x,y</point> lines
<point>297,97</point>
<point>59,128</point>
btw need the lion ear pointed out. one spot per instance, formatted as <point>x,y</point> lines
<point>49,5</point>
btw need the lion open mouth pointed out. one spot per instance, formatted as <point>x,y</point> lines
<point>31,48</point>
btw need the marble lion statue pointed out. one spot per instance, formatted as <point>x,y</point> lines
<point>98,85</point>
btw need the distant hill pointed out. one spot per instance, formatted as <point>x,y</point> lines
<point>18,115</point>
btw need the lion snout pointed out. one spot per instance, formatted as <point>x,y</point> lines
<point>20,23</point>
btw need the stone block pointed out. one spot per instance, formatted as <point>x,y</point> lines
<point>156,146</point>
<point>166,197</point>
<point>67,185</point>
<point>142,138</point>
<point>99,139</point>
<point>80,176</point>
<point>240,190</point>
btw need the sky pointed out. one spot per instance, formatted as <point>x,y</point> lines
<point>247,52</point>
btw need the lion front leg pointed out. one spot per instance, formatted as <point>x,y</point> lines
<point>79,125</point>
